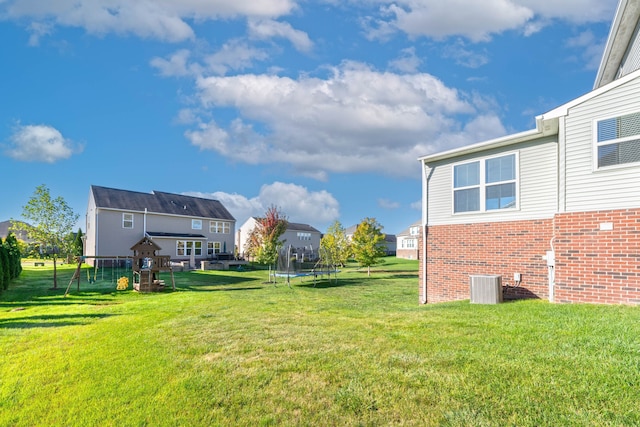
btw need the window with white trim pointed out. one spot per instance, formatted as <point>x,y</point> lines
<point>485,185</point>
<point>187,247</point>
<point>196,224</point>
<point>127,220</point>
<point>214,248</point>
<point>304,236</point>
<point>617,140</point>
<point>219,227</point>
<point>408,243</point>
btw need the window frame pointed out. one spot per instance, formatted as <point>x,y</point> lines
<point>212,246</point>
<point>125,221</point>
<point>483,185</point>
<point>216,226</point>
<point>596,144</point>
<point>187,247</point>
<point>194,224</point>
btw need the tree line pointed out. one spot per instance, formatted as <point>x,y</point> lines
<point>10,261</point>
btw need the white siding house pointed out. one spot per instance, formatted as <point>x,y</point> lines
<point>554,211</point>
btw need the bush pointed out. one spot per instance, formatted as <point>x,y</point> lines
<point>13,249</point>
<point>6,269</point>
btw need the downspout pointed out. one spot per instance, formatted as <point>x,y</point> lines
<point>144,223</point>
<point>424,233</point>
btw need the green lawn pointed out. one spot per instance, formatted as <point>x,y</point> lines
<point>226,348</point>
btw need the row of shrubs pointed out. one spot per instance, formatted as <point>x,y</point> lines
<point>10,262</point>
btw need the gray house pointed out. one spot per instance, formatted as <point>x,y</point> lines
<point>185,227</point>
<point>303,238</point>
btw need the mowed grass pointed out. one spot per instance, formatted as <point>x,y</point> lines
<point>226,348</point>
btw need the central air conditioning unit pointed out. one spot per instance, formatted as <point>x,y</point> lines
<point>486,289</point>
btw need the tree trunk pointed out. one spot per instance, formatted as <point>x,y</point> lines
<point>368,271</point>
<point>55,273</point>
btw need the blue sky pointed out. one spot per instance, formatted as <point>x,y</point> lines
<point>318,107</point>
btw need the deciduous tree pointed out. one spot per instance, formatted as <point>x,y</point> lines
<point>50,222</point>
<point>368,243</point>
<point>267,234</point>
<point>335,245</point>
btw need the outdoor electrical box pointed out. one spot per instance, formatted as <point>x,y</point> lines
<point>486,289</point>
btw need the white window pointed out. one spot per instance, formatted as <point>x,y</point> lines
<point>304,236</point>
<point>196,224</point>
<point>408,243</point>
<point>214,248</point>
<point>127,220</point>
<point>186,247</point>
<point>219,227</point>
<point>485,185</point>
<point>414,231</point>
<point>617,140</point>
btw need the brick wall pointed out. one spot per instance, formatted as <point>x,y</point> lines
<point>456,251</point>
<point>598,257</point>
<point>407,253</point>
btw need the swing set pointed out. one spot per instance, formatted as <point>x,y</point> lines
<point>120,266</point>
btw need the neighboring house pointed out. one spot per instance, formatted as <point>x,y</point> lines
<point>303,238</point>
<point>407,242</point>
<point>390,240</point>
<point>184,227</point>
<point>5,229</point>
<point>554,211</point>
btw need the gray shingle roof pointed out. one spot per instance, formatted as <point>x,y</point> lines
<point>160,202</point>
<point>301,227</point>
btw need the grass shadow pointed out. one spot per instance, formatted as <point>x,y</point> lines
<point>50,321</point>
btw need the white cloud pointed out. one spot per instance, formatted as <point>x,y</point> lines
<point>592,48</point>
<point>344,123</point>
<point>388,204</point>
<point>298,203</point>
<point>158,19</point>
<point>417,205</point>
<point>466,57</point>
<point>268,28</point>
<point>40,143</point>
<point>407,62</point>
<point>479,20</point>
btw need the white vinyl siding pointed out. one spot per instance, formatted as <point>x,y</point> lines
<point>536,187</point>
<point>588,187</point>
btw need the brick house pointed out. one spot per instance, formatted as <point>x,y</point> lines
<point>554,211</point>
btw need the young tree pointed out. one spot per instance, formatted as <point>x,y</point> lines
<point>50,221</point>
<point>368,243</point>
<point>267,234</point>
<point>336,245</point>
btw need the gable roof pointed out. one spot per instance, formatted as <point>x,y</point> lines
<point>301,227</point>
<point>159,202</point>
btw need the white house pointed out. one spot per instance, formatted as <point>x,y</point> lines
<point>553,211</point>
<point>407,242</point>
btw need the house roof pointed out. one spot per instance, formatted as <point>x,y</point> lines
<point>161,234</point>
<point>159,202</point>
<point>407,231</point>
<point>301,227</point>
<point>546,125</point>
<point>621,34</point>
<point>5,227</point>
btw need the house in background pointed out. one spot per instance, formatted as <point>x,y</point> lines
<point>5,230</point>
<point>303,238</point>
<point>553,211</point>
<point>185,227</point>
<point>407,242</point>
